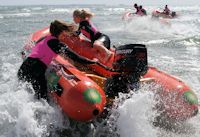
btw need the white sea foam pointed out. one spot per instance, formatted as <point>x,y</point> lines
<point>135,116</point>
<point>19,15</point>
<point>60,10</point>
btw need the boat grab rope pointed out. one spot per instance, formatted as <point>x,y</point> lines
<point>65,75</point>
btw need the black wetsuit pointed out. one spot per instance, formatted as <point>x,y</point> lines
<point>166,11</point>
<point>33,70</point>
<point>85,25</point>
<point>144,11</point>
<point>137,10</point>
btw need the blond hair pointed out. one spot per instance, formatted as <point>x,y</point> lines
<point>83,14</point>
<point>58,26</point>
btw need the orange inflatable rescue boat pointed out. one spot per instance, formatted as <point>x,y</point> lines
<point>178,101</point>
<point>158,13</point>
<point>128,16</point>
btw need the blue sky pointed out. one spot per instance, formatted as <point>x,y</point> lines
<point>109,2</point>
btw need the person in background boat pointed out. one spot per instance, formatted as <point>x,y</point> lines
<point>136,7</point>
<point>139,10</point>
<point>100,42</point>
<point>34,66</point>
<point>142,10</point>
<point>166,10</point>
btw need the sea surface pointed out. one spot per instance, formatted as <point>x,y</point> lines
<point>173,47</point>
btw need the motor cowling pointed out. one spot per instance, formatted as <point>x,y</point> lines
<point>173,14</point>
<point>131,59</point>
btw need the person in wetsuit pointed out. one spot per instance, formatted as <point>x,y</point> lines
<point>166,10</point>
<point>34,66</point>
<point>100,41</point>
<point>142,10</point>
<point>137,8</point>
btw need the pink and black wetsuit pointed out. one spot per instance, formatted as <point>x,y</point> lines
<point>34,67</point>
<point>137,9</point>
<point>91,32</point>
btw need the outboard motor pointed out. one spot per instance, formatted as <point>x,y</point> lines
<point>173,14</point>
<point>131,61</point>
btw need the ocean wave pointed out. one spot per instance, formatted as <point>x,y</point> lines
<point>158,41</point>
<point>174,49</point>
<point>115,9</point>
<point>36,8</point>
<point>187,8</point>
<point>61,10</point>
<point>18,15</point>
<point>192,41</point>
<point>1,16</point>
<point>26,10</point>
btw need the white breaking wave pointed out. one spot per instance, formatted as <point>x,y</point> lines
<point>18,15</point>
<point>61,10</point>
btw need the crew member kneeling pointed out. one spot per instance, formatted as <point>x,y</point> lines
<point>34,66</point>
